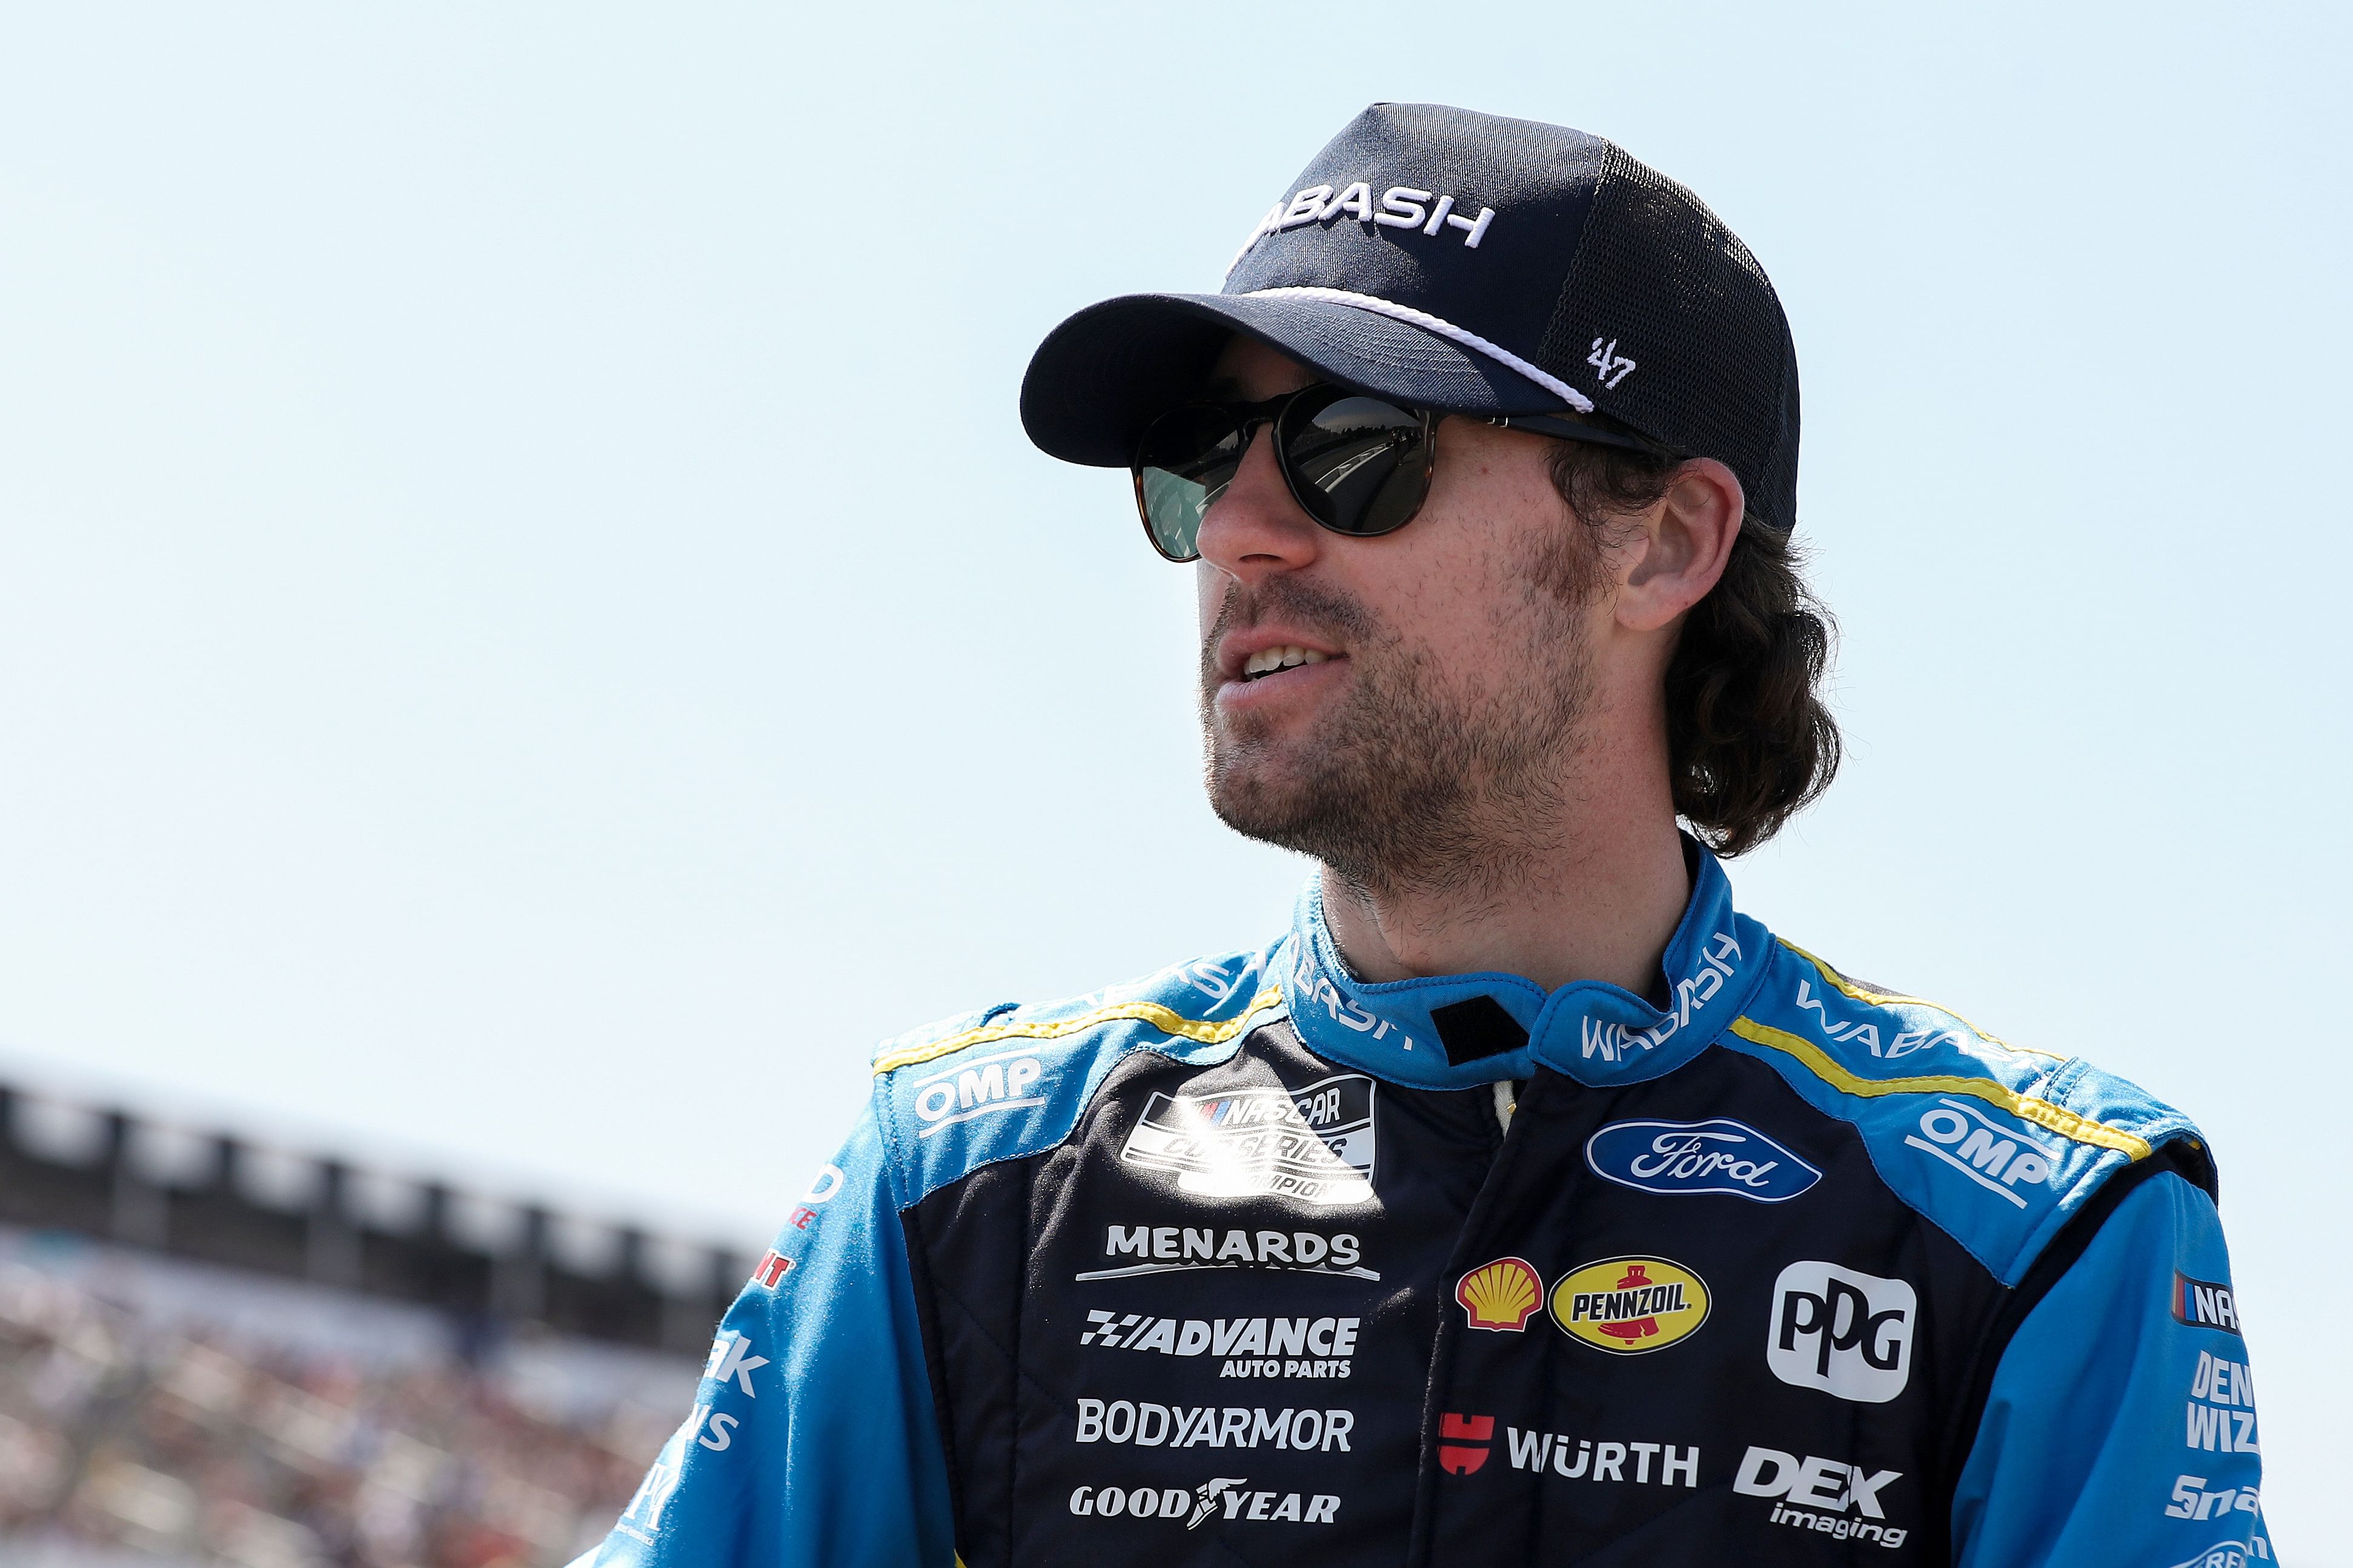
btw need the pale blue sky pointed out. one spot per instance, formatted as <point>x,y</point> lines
<point>530,634</point>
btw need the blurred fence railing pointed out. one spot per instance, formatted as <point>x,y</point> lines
<point>484,1260</point>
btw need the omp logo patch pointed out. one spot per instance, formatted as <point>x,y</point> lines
<point>1631,1306</point>
<point>1675,1158</point>
<point>1843,1331</point>
<point>1315,1145</point>
<point>1994,1156</point>
<point>979,1088</point>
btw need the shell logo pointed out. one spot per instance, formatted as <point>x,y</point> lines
<point>1631,1306</point>
<point>1500,1295</point>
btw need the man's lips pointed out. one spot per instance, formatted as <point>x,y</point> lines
<point>1281,685</point>
<point>1262,652</point>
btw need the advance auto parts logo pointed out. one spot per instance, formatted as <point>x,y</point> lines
<point>1314,1143</point>
<point>1631,1306</point>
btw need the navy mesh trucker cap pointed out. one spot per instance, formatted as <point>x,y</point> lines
<point>1476,265</point>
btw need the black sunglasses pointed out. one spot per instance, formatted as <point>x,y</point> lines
<point>1358,465</point>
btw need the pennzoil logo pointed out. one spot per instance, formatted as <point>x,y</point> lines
<point>1631,1306</point>
<point>1501,1295</point>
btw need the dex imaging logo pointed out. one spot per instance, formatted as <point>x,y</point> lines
<point>1843,1331</point>
<point>1676,1158</point>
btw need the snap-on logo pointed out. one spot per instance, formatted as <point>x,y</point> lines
<point>1676,1158</point>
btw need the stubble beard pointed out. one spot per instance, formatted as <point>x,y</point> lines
<point>1420,781</point>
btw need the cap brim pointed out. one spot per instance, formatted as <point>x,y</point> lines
<point>1106,373</point>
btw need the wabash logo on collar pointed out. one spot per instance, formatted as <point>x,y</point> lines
<point>1676,1158</point>
<point>2202,1304</point>
<point>1464,1443</point>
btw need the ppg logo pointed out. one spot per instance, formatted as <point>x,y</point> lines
<point>1842,1331</point>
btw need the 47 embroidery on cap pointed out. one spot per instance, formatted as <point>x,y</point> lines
<point>1400,206</point>
<point>1612,364</point>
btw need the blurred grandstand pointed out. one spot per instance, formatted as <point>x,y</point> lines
<point>215,1353</point>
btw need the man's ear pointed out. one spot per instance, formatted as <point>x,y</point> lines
<point>1686,538</point>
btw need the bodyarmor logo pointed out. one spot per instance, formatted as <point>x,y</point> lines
<point>1716,1156</point>
<point>1841,1330</point>
<point>1314,1143</point>
<point>1629,1306</point>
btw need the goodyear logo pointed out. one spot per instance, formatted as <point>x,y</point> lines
<point>1500,1295</point>
<point>1631,1306</point>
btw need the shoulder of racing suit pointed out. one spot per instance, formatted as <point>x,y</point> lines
<point>1931,1094</point>
<point>1012,1080</point>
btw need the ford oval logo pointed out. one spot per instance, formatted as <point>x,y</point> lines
<point>1718,1156</point>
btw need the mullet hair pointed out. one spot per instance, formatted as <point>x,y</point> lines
<point>1749,741</point>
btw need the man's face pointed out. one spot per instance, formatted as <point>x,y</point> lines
<point>1431,737</point>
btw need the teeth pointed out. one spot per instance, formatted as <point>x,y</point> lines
<point>1267,661</point>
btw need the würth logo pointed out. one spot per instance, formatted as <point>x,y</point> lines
<point>1457,1456</point>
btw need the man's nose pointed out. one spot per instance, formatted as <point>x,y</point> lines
<point>1256,529</point>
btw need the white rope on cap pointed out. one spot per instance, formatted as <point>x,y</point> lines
<point>1444,328</point>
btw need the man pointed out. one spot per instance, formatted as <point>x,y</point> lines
<point>1526,1201</point>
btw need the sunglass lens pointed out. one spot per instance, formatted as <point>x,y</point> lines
<point>1360,465</point>
<point>1185,460</point>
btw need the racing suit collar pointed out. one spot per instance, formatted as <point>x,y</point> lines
<point>1457,1031</point>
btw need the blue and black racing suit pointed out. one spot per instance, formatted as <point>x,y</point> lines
<point>1252,1262</point>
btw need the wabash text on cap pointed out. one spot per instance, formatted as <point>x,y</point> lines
<point>1475,265</point>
